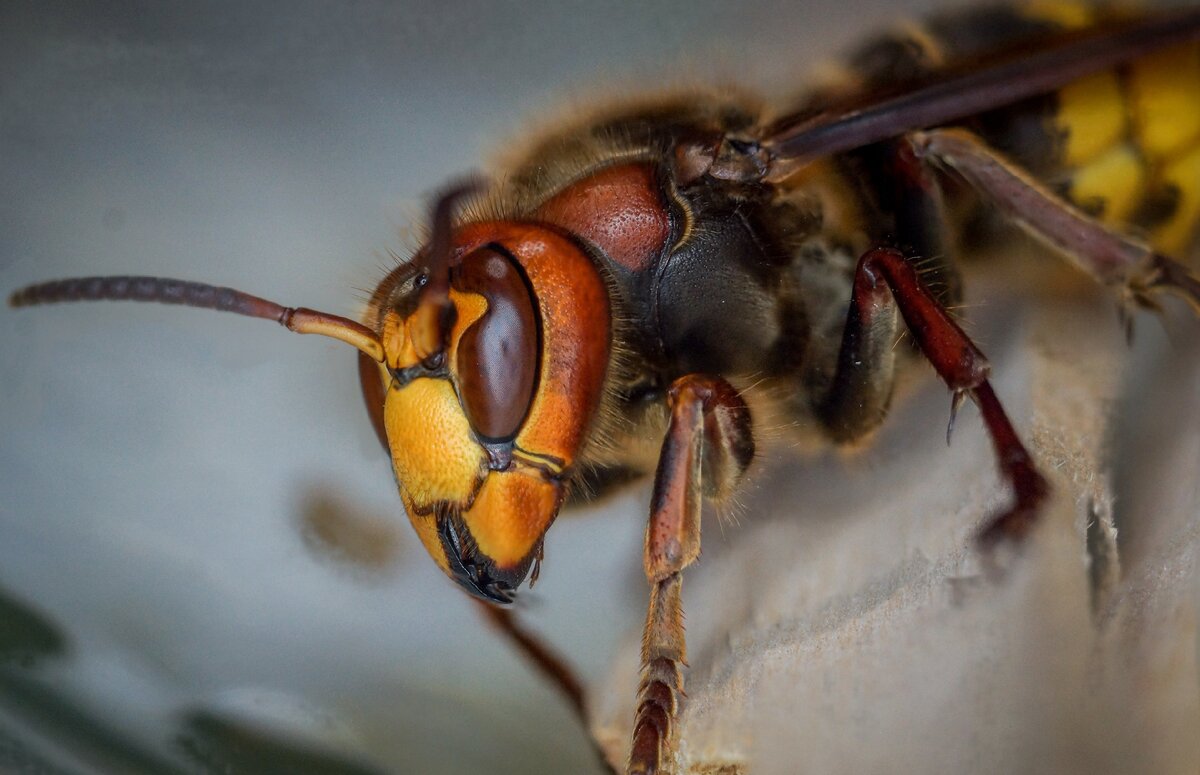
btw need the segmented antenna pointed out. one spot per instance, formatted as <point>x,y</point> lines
<point>433,317</point>
<point>190,294</point>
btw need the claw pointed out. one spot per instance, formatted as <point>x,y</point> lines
<point>956,401</point>
<point>1172,276</point>
<point>1159,275</point>
<point>1163,275</point>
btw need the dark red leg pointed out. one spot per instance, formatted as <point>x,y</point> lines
<point>543,658</point>
<point>856,400</point>
<point>883,275</point>
<point>540,655</point>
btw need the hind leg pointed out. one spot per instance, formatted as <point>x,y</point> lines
<point>1133,269</point>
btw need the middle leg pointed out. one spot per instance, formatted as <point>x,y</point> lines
<point>885,282</point>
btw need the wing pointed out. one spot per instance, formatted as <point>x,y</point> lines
<point>949,95</point>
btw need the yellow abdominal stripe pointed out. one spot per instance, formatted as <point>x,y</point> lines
<point>1092,114</point>
<point>1163,95</point>
<point>1134,136</point>
<point>1166,111</point>
<point>1117,179</point>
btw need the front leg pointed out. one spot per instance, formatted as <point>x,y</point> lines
<point>706,451</point>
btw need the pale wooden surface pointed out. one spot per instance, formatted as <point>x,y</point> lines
<point>846,625</point>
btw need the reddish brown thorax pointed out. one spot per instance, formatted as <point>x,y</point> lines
<point>619,209</point>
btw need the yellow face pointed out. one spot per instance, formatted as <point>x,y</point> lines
<point>484,433</point>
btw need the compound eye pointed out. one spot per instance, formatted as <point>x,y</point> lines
<point>498,355</point>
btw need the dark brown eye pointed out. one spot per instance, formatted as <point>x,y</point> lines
<point>498,355</point>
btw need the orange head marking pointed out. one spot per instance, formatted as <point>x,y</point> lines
<point>490,350</point>
<point>484,421</point>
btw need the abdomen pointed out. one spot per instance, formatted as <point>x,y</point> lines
<point>1123,145</point>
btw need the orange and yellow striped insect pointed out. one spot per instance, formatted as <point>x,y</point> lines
<point>600,311</point>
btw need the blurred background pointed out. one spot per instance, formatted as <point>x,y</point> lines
<point>203,561</point>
